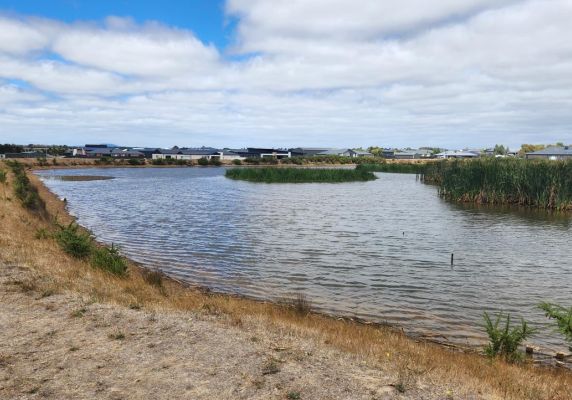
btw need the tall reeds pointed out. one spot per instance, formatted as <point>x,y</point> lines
<point>401,168</point>
<point>299,175</point>
<point>535,183</point>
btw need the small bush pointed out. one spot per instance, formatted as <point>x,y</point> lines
<point>237,162</point>
<point>158,161</point>
<point>203,161</point>
<point>42,233</point>
<point>73,242</point>
<point>109,259</point>
<point>135,161</point>
<point>215,161</point>
<point>504,341</point>
<point>104,161</point>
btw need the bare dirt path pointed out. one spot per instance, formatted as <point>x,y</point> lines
<point>63,346</point>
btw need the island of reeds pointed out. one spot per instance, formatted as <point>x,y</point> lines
<point>299,175</point>
<point>541,184</point>
<point>401,168</point>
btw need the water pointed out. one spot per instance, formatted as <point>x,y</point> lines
<point>377,250</point>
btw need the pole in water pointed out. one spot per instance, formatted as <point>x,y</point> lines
<point>452,257</point>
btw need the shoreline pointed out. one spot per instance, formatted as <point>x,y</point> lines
<point>427,370</point>
<point>542,356</point>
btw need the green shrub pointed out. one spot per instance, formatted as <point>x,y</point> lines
<point>203,161</point>
<point>74,242</point>
<point>136,161</point>
<point>104,161</point>
<point>563,318</point>
<point>158,161</point>
<point>237,162</point>
<point>505,340</point>
<point>215,161</point>
<point>109,259</point>
<point>24,190</point>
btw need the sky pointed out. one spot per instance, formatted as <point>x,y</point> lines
<point>282,73</point>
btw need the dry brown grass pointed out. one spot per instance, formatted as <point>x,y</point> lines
<point>412,363</point>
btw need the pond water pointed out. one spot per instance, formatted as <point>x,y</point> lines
<point>378,250</point>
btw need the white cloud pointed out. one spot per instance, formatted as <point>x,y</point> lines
<point>334,72</point>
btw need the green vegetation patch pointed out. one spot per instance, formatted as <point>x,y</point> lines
<point>73,241</point>
<point>537,183</point>
<point>299,175</point>
<point>24,190</point>
<point>401,168</point>
<point>109,259</point>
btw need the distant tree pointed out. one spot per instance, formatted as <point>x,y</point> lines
<point>500,150</point>
<point>375,150</point>
<point>529,148</point>
<point>11,148</point>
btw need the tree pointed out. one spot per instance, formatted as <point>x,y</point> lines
<point>529,148</point>
<point>500,150</point>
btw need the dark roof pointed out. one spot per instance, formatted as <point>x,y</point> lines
<point>553,151</point>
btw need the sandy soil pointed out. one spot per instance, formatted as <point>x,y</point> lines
<point>63,346</point>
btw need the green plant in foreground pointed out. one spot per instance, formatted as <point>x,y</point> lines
<point>73,242</point>
<point>506,339</point>
<point>563,318</point>
<point>109,259</point>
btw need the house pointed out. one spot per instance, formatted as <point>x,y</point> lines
<point>412,154</point>
<point>126,153</point>
<point>25,154</point>
<point>186,153</point>
<point>307,151</point>
<point>551,153</point>
<point>255,152</point>
<point>457,154</point>
<point>344,153</point>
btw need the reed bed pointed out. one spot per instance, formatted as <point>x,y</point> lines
<point>299,175</point>
<point>401,168</point>
<point>535,183</point>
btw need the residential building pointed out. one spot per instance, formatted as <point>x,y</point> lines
<point>458,154</point>
<point>551,153</point>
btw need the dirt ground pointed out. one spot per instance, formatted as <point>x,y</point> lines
<point>63,346</point>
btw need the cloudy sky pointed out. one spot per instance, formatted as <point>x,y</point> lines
<point>445,73</point>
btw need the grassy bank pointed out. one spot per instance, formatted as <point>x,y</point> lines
<point>411,366</point>
<point>299,175</point>
<point>538,183</point>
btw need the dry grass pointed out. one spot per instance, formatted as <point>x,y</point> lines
<point>412,363</point>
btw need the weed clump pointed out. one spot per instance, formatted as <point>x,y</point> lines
<point>74,242</point>
<point>109,259</point>
<point>505,340</point>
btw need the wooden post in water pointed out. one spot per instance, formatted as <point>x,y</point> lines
<point>452,257</point>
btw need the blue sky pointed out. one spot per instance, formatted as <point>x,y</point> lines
<point>206,18</point>
<point>285,73</point>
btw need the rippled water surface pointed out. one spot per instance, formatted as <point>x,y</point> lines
<point>378,250</point>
